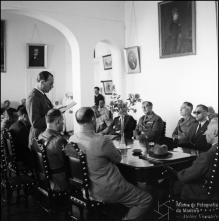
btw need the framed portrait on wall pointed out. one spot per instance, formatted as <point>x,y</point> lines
<point>36,55</point>
<point>177,29</point>
<point>3,46</point>
<point>132,59</point>
<point>107,62</point>
<point>108,87</point>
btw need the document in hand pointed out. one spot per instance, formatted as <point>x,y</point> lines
<point>67,107</point>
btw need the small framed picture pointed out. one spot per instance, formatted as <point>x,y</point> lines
<point>107,62</point>
<point>132,59</point>
<point>36,55</point>
<point>108,87</point>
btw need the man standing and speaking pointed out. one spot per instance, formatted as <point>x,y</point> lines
<point>38,104</point>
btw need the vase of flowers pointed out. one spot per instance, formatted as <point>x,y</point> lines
<point>117,105</point>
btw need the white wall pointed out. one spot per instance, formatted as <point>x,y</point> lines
<point>168,82</point>
<point>18,78</point>
<point>90,22</point>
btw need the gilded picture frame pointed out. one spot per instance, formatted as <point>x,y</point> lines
<point>177,28</point>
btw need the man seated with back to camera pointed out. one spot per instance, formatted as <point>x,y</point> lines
<point>200,181</point>
<point>55,142</point>
<point>129,124</point>
<point>107,183</point>
<point>181,133</point>
<point>150,126</point>
<point>197,138</point>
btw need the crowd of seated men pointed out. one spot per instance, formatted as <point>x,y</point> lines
<point>107,183</point>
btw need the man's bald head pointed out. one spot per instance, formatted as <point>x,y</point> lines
<point>84,115</point>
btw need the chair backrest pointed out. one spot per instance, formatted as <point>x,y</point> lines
<point>8,145</point>
<point>41,162</point>
<point>3,162</point>
<point>78,171</point>
<point>211,182</point>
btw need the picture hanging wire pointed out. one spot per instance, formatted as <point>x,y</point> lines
<point>36,33</point>
<point>133,26</point>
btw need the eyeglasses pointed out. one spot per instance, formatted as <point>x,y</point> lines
<point>197,112</point>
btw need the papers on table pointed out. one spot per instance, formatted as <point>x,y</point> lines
<point>67,107</point>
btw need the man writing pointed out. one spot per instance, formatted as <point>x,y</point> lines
<point>107,184</point>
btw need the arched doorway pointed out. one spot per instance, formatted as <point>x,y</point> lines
<point>72,41</point>
<point>116,74</point>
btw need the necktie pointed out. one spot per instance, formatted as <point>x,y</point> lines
<point>199,128</point>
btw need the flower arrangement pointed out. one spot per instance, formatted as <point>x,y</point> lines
<point>117,104</point>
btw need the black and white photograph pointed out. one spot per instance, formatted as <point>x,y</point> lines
<point>109,111</point>
<point>37,55</point>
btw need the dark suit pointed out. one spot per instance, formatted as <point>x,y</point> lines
<point>129,126</point>
<point>194,177</point>
<point>198,139</point>
<point>37,106</point>
<point>20,132</point>
<point>182,129</point>
<point>56,143</point>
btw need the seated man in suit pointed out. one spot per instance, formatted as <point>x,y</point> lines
<point>107,183</point>
<point>200,180</point>
<point>197,139</point>
<point>129,124</point>
<point>150,126</point>
<point>20,133</point>
<point>55,144</point>
<point>181,132</point>
<point>104,118</point>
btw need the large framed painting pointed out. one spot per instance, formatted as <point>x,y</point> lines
<point>177,29</point>
<point>36,55</point>
<point>3,46</point>
<point>132,59</point>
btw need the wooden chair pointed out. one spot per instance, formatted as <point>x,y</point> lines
<point>51,201</point>
<point>12,179</point>
<point>89,208</point>
<point>211,183</point>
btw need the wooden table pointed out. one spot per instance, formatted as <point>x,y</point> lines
<point>136,169</point>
